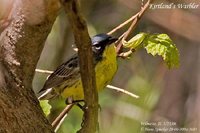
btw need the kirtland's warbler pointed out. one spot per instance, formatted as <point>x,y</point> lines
<point>66,79</point>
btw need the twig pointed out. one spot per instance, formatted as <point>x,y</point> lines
<point>139,14</point>
<point>126,34</point>
<point>122,90</point>
<point>123,24</point>
<point>58,121</point>
<point>44,71</point>
<point>134,19</point>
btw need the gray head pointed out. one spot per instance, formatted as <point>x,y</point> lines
<point>100,41</point>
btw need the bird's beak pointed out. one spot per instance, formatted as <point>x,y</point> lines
<point>112,40</point>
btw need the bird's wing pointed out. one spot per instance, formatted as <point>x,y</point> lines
<point>63,73</point>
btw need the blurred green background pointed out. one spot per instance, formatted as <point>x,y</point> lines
<point>165,95</point>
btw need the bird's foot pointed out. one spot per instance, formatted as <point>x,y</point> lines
<point>76,102</point>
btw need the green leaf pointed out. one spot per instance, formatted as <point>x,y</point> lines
<point>162,45</point>
<point>46,107</point>
<point>134,42</point>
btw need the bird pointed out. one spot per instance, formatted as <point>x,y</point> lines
<point>66,79</point>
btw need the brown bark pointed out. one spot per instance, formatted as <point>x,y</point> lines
<point>83,43</point>
<point>21,45</point>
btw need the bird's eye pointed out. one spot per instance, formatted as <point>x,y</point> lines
<point>98,48</point>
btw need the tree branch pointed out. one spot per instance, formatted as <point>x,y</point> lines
<point>83,43</point>
<point>21,43</point>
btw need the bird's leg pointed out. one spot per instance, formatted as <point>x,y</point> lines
<point>84,107</point>
<point>70,100</point>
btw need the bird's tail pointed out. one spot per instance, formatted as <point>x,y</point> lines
<point>48,94</point>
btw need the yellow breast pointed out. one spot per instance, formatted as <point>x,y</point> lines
<point>105,71</point>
